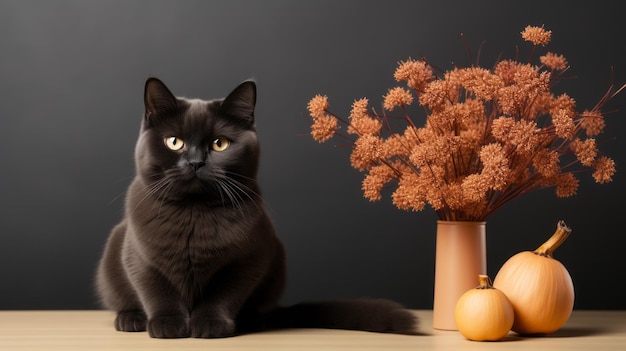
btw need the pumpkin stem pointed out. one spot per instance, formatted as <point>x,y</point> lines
<point>560,235</point>
<point>484,282</point>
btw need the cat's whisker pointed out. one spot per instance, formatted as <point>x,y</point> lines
<point>241,186</point>
<point>153,188</point>
<point>218,186</point>
<point>234,196</point>
<point>251,194</point>
<point>120,194</point>
<point>116,197</point>
<point>165,191</point>
<point>235,188</point>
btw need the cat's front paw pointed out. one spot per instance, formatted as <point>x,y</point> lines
<point>212,327</point>
<point>130,321</point>
<point>167,327</point>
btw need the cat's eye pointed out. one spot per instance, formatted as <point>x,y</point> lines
<point>220,144</point>
<point>174,143</point>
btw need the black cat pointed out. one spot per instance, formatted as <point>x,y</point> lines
<point>196,253</point>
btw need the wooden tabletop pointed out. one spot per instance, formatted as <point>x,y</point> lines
<point>93,330</point>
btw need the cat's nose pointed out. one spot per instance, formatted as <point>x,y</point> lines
<point>196,165</point>
<point>196,158</point>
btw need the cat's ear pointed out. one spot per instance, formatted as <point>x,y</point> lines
<point>157,97</point>
<point>240,102</point>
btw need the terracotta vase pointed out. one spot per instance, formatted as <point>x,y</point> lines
<point>460,257</point>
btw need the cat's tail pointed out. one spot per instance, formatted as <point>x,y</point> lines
<point>373,315</point>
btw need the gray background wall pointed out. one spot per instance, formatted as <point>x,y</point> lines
<point>71,85</point>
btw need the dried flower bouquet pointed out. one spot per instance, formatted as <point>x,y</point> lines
<point>491,135</point>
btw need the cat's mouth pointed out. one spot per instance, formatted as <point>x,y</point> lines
<point>193,178</point>
<point>203,182</point>
<point>195,181</point>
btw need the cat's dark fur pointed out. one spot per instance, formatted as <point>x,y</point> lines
<point>196,253</point>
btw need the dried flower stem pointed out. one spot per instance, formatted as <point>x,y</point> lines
<point>491,135</point>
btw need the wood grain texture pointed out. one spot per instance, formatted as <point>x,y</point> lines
<point>93,330</point>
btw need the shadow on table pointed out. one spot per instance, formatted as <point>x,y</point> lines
<point>573,332</point>
<point>569,332</point>
<point>561,333</point>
